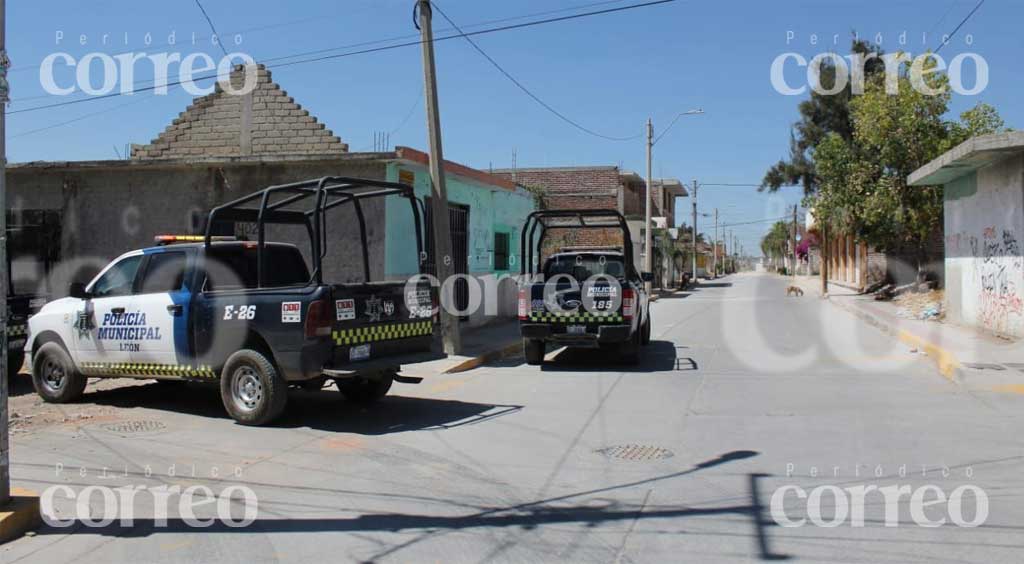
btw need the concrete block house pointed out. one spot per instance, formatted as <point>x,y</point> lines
<point>983,195</point>
<point>606,187</point>
<point>71,218</point>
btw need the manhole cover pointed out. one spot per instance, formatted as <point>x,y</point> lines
<point>636,452</point>
<point>134,427</point>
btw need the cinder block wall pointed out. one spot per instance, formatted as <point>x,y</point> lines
<point>984,267</point>
<point>108,210</point>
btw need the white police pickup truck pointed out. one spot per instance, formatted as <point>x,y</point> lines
<point>249,315</point>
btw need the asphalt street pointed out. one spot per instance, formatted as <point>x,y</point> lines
<point>742,391</point>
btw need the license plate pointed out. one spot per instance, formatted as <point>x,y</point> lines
<point>360,352</point>
<point>576,329</point>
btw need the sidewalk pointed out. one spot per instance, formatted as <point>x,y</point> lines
<point>480,345</point>
<point>964,355</point>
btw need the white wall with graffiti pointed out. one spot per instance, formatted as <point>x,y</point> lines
<point>984,231</point>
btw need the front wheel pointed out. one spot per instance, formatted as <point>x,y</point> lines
<point>365,391</point>
<point>533,349</point>
<point>54,375</point>
<point>253,391</point>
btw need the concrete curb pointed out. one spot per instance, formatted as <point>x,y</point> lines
<point>948,364</point>
<point>20,515</point>
<point>489,356</point>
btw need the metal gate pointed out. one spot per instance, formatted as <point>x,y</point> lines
<point>458,225</point>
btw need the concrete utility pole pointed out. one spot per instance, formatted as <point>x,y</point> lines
<point>443,262</point>
<point>794,240</point>
<point>5,447</point>
<point>695,231</point>
<point>714,250</point>
<point>648,238</point>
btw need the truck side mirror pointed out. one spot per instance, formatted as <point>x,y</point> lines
<point>77,290</point>
<point>647,276</point>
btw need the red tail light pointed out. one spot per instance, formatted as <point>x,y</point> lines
<point>524,303</point>
<point>628,303</point>
<point>318,319</point>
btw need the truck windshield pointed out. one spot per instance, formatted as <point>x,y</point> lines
<point>582,267</point>
<point>234,267</point>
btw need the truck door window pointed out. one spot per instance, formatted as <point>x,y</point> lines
<point>165,272</point>
<point>118,279</point>
<point>235,268</point>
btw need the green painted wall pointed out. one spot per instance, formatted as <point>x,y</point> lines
<point>963,187</point>
<point>491,209</point>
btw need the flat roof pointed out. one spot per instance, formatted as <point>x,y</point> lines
<point>967,157</point>
<point>400,154</point>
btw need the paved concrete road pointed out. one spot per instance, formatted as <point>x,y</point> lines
<point>742,391</point>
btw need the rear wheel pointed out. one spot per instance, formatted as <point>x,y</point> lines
<point>15,360</point>
<point>365,391</point>
<point>54,375</point>
<point>253,391</point>
<point>630,350</point>
<point>533,349</point>
<point>645,338</point>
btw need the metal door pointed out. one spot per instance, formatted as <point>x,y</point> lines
<point>458,225</point>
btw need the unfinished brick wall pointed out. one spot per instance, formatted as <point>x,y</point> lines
<point>265,121</point>
<point>574,188</point>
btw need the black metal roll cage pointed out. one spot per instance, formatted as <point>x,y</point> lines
<point>598,219</point>
<point>328,192</point>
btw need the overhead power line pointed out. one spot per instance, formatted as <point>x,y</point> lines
<point>789,217</point>
<point>957,28</point>
<point>340,47</point>
<point>212,28</point>
<point>526,90</point>
<point>366,51</point>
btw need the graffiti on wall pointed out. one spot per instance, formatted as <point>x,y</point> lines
<point>999,271</point>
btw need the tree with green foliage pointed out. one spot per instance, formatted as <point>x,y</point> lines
<point>775,244</point>
<point>820,116</point>
<point>862,180</point>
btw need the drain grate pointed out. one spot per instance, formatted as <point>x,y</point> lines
<point>636,452</point>
<point>135,427</point>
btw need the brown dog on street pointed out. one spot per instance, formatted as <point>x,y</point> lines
<point>794,291</point>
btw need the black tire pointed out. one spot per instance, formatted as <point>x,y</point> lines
<point>645,337</point>
<point>533,350</point>
<point>630,350</point>
<point>15,360</point>
<point>364,391</point>
<point>253,391</point>
<point>54,375</point>
<point>170,384</point>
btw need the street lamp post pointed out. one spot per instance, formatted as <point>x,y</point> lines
<point>651,141</point>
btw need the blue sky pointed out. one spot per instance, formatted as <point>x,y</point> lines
<point>607,72</point>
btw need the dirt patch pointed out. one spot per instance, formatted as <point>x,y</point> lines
<point>29,413</point>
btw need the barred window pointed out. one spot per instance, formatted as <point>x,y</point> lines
<point>501,251</point>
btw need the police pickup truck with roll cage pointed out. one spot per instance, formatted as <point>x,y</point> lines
<point>588,297</point>
<point>249,315</point>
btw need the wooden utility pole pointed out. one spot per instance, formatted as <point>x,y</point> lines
<point>694,280</point>
<point>714,256</point>
<point>794,240</point>
<point>443,260</point>
<point>823,247</point>
<point>5,447</point>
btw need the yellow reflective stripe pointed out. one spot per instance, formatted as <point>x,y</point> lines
<point>144,369</point>
<point>382,332</point>
<point>575,317</point>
